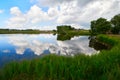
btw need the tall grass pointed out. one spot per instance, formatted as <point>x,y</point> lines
<point>102,66</point>
<point>107,39</point>
<point>79,32</point>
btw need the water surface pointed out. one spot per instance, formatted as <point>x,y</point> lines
<point>17,47</point>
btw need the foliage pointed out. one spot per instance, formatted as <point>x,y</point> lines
<point>62,37</point>
<point>66,32</point>
<point>100,26</point>
<point>71,34</point>
<point>64,29</point>
<point>102,66</point>
<point>98,45</point>
<point>116,24</point>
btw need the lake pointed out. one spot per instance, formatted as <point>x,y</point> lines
<point>18,47</point>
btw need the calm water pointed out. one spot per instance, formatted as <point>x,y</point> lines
<point>17,47</point>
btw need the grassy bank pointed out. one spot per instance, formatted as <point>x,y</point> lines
<point>79,32</point>
<point>76,32</point>
<point>102,66</point>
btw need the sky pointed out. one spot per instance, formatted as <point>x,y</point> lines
<point>47,14</point>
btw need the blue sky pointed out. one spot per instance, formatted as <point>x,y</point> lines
<point>47,14</point>
<point>5,6</point>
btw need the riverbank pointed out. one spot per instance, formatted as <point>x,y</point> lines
<point>27,31</point>
<point>102,66</point>
<point>79,32</point>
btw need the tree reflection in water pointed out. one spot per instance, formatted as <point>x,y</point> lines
<point>63,37</point>
<point>97,45</point>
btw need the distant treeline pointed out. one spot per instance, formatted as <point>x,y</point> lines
<point>27,31</point>
<point>61,30</point>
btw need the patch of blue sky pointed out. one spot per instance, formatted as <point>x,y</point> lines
<point>22,4</point>
<point>45,9</point>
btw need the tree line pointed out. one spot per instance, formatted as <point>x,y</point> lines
<point>103,26</point>
<point>27,31</point>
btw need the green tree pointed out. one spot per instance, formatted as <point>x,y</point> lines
<point>100,26</point>
<point>93,28</point>
<point>64,29</point>
<point>116,24</point>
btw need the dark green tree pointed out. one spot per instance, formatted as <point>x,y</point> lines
<point>116,24</point>
<point>100,26</point>
<point>64,29</point>
<point>93,28</point>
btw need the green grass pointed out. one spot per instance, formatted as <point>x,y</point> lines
<point>102,66</point>
<point>108,39</point>
<point>79,32</point>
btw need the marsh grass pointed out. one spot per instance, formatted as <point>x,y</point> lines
<point>79,32</point>
<point>102,66</point>
<point>107,39</point>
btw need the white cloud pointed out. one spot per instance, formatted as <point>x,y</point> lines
<point>18,19</point>
<point>53,12</point>
<point>99,9</point>
<point>34,16</point>
<point>50,2</point>
<point>1,11</point>
<point>77,12</point>
<point>73,13</point>
<point>15,11</point>
<point>68,12</point>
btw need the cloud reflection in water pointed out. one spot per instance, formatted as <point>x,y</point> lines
<point>17,47</point>
<point>47,42</point>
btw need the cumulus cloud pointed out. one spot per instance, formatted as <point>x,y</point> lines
<point>18,20</point>
<point>84,2</point>
<point>34,16</point>
<point>15,11</point>
<point>77,12</point>
<point>59,2</point>
<point>68,12</point>
<point>53,12</point>
<point>72,13</point>
<point>50,2</point>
